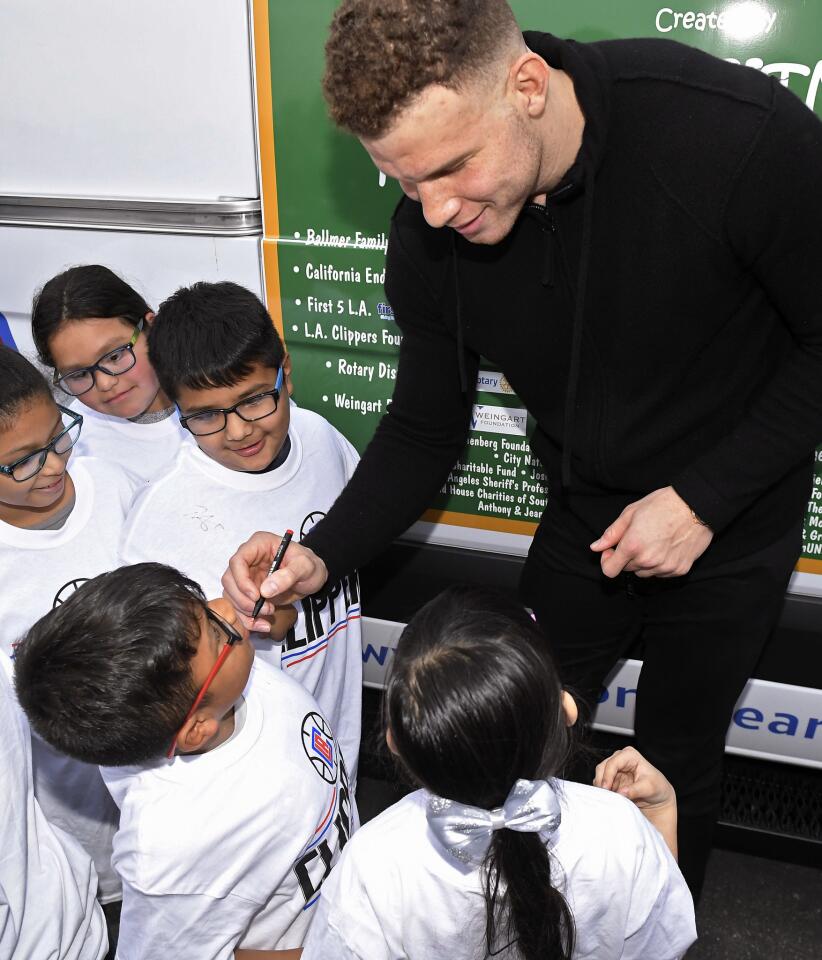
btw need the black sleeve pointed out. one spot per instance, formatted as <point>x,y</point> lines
<point>420,436</point>
<point>774,224</point>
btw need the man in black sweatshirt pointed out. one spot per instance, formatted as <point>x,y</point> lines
<point>630,230</point>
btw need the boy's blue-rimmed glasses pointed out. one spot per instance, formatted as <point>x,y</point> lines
<point>113,363</point>
<point>232,638</point>
<point>206,422</point>
<point>32,463</point>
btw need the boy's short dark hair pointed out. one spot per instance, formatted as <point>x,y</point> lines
<point>106,676</point>
<point>20,384</point>
<point>210,335</point>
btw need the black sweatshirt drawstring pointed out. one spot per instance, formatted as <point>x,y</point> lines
<point>577,329</point>
<point>569,416</point>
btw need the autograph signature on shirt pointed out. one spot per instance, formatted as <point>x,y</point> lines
<point>206,519</point>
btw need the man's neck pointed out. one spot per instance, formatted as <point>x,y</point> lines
<point>563,126</point>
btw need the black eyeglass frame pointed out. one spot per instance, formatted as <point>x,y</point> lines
<point>275,393</point>
<point>77,420</point>
<point>128,347</point>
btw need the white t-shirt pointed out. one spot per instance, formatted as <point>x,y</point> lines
<point>146,449</point>
<point>48,909</point>
<point>197,514</point>
<point>39,569</point>
<point>397,894</point>
<point>229,848</point>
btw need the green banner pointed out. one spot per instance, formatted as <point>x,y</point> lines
<point>333,210</point>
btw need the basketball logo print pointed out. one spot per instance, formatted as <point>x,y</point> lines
<point>67,590</point>
<point>312,518</point>
<point>319,746</point>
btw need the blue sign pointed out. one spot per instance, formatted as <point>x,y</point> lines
<point>5,333</point>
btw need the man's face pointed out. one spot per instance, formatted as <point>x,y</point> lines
<point>469,157</point>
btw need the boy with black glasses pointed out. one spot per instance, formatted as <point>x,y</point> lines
<point>57,529</point>
<point>234,800</point>
<point>253,461</point>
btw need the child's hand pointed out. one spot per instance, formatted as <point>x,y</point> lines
<point>281,621</point>
<point>627,772</point>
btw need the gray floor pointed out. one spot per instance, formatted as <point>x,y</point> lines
<point>751,909</point>
<point>757,909</point>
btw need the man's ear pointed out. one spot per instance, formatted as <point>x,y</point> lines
<point>389,740</point>
<point>196,732</point>
<point>569,706</point>
<point>528,81</point>
<point>289,383</point>
<point>149,318</point>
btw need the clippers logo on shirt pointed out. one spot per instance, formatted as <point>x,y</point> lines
<point>311,520</point>
<point>67,590</point>
<point>318,743</point>
<point>334,829</point>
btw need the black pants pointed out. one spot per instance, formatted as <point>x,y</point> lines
<point>702,636</point>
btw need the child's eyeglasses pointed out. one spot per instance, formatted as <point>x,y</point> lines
<point>261,405</point>
<point>113,363</point>
<point>30,465</point>
<point>232,638</point>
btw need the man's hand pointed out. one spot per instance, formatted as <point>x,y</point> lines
<point>301,574</point>
<point>627,772</point>
<point>654,537</point>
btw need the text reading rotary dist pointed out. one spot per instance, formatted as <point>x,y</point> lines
<point>368,371</point>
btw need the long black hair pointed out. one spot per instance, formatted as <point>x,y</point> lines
<point>473,704</point>
<point>80,293</point>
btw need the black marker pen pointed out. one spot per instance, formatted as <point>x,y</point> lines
<point>275,565</point>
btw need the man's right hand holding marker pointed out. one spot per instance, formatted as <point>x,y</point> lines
<point>302,573</point>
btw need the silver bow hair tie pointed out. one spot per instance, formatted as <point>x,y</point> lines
<point>465,832</point>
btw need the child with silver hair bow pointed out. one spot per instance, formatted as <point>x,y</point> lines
<point>494,855</point>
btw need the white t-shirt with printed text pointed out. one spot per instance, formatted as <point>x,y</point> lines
<point>229,848</point>
<point>397,894</point>
<point>48,887</point>
<point>39,569</point>
<point>196,515</point>
<point>146,449</point>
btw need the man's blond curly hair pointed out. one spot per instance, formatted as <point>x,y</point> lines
<point>381,53</point>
